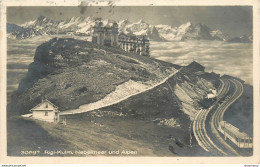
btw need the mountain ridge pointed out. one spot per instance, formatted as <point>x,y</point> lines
<point>83,26</point>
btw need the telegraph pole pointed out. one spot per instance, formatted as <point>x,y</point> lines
<point>190,133</point>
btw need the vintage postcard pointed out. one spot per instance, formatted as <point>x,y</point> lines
<point>110,81</point>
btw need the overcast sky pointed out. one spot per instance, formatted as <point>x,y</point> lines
<point>235,20</point>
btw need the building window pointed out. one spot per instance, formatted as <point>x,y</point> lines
<point>46,113</point>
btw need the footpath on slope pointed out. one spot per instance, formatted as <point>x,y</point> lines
<point>122,92</point>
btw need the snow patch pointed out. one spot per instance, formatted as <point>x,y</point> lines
<point>27,115</point>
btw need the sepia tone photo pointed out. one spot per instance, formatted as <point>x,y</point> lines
<point>130,81</point>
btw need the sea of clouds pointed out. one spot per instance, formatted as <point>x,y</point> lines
<point>234,59</point>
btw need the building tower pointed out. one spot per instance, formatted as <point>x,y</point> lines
<point>145,48</point>
<point>105,35</point>
<point>114,36</point>
<point>98,34</point>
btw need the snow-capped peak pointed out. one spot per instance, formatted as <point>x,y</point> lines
<point>84,26</point>
<point>107,22</point>
<point>185,26</point>
<point>217,34</point>
<point>123,22</point>
<point>41,18</point>
<point>140,21</point>
<point>28,24</point>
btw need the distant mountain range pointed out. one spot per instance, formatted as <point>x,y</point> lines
<point>82,26</point>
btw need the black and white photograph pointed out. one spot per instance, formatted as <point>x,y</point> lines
<point>130,81</point>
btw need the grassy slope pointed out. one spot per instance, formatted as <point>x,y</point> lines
<point>99,134</point>
<point>28,135</point>
<point>81,73</point>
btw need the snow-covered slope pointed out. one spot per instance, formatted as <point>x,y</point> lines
<point>166,31</point>
<point>81,26</point>
<point>84,26</point>
<point>17,32</point>
<point>140,28</point>
<point>189,31</point>
<point>217,34</point>
<point>242,39</point>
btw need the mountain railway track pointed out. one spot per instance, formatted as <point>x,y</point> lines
<point>223,100</point>
<point>218,115</point>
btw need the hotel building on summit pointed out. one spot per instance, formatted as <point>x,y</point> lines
<point>108,35</point>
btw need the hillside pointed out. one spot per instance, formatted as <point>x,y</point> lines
<point>179,97</point>
<point>71,72</point>
<point>154,119</point>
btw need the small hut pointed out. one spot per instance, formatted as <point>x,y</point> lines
<point>46,111</point>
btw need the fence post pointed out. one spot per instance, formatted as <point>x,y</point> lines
<point>225,130</point>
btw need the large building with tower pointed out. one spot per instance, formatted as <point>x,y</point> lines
<point>108,35</point>
<point>105,35</point>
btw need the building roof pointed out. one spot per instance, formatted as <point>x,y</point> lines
<point>45,105</point>
<point>105,23</point>
<point>196,66</point>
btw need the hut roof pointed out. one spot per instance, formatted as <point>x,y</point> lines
<point>42,106</point>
